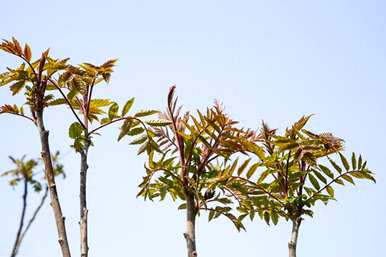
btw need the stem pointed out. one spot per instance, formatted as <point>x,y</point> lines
<point>116,120</point>
<point>21,224</point>
<point>20,115</point>
<point>190,234</point>
<point>83,200</point>
<point>294,236</point>
<point>89,96</point>
<point>261,188</point>
<point>67,101</point>
<point>32,219</point>
<point>50,176</point>
<point>327,185</point>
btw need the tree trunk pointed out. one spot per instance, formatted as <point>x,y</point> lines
<point>190,234</point>
<point>294,237</point>
<point>21,224</point>
<point>50,176</point>
<point>83,201</point>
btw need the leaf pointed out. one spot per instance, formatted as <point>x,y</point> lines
<point>75,130</point>
<point>144,113</point>
<point>348,178</point>
<point>330,191</point>
<point>139,140</point>
<point>336,166</point>
<point>252,170</point>
<point>58,101</point>
<point>100,102</point>
<point>158,123</point>
<point>243,166</point>
<point>27,52</point>
<point>127,106</point>
<point>182,206</point>
<point>326,171</point>
<point>113,111</point>
<point>266,217</point>
<point>353,161</point>
<point>274,218</point>
<point>314,181</point>
<point>15,88</point>
<point>135,131</point>
<point>344,161</point>
<point>78,145</point>
<point>360,162</point>
<point>320,177</point>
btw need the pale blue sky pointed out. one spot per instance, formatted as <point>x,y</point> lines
<point>272,60</point>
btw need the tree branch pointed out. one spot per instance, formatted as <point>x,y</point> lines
<point>67,101</point>
<point>32,219</point>
<point>22,217</point>
<point>21,115</point>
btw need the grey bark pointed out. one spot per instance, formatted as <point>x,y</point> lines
<point>21,224</point>
<point>190,234</point>
<point>50,177</point>
<point>294,237</point>
<point>83,201</point>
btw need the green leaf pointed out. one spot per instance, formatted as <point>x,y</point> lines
<point>58,101</point>
<point>158,123</point>
<point>252,170</point>
<point>360,162</point>
<point>344,161</point>
<point>243,166</point>
<point>100,102</point>
<point>135,131</point>
<point>182,206</point>
<point>15,88</point>
<point>314,181</point>
<point>113,111</point>
<point>127,106</point>
<point>144,113</point>
<point>336,166</point>
<point>78,145</point>
<point>75,130</point>
<point>139,140</point>
<point>320,177</point>
<point>275,218</point>
<point>326,171</point>
<point>348,178</point>
<point>353,161</point>
<point>266,217</point>
<point>330,191</point>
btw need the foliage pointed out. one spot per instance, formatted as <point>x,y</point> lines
<point>299,168</point>
<point>191,155</point>
<point>27,170</point>
<point>32,77</point>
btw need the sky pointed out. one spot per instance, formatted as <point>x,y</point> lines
<point>265,60</point>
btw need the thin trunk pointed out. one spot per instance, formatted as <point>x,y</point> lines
<point>190,234</point>
<point>50,176</point>
<point>294,237</point>
<point>21,224</point>
<point>32,219</point>
<point>83,201</point>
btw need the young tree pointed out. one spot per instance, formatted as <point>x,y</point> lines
<point>295,175</point>
<point>25,172</point>
<point>33,78</point>
<point>76,86</point>
<point>189,159</point>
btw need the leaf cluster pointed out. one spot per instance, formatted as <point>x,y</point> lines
<point>27,170</point>
<point>191,155</point>
<point>299,168</point>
